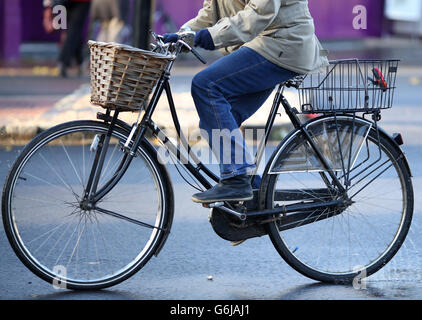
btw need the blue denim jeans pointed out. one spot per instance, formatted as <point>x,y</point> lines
<point>226,94</point>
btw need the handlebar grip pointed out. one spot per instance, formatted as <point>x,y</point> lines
<point>198,56</point>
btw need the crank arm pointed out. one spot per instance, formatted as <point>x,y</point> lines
<point>220,205</point>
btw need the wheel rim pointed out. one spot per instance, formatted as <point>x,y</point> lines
<point>359,239</point>
<point>65,242</point>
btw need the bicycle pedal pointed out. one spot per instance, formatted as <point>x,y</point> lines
<point>213,205</point>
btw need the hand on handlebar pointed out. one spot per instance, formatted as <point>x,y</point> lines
<point>170,37</point>
<point>204,40</point>
<point>169,41</point>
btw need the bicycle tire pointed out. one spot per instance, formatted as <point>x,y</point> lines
<point>290,253</point>
<point>147,154</point>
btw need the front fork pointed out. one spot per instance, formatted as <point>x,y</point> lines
<point>101,144</point>
<point>91,195</point>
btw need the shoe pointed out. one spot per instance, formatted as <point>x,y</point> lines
<point>237,188</point>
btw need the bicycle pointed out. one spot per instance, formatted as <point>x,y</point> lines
<point>94,198</point>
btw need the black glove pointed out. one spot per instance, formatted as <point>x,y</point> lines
<point>170,37</point>
<point>204,40</point>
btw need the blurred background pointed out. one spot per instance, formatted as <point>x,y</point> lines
<point>23,35</point>
<point>44,80</point>
<point>44,72</point>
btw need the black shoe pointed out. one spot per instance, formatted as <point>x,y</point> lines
<point>237,188</point>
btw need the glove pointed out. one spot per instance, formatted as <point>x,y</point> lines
<point>170,37</point>
<point>204,40</point>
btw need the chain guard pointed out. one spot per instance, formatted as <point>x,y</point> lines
<point>231,229</point>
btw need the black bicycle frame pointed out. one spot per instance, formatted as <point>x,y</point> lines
<point>196,168</point>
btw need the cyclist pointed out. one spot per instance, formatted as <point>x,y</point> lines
<point>265,42</point>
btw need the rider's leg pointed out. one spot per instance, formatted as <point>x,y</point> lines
<point>244,106</point>
<point>241,113</point>
<point>241,73</point>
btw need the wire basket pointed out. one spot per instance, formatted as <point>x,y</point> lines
<point>123,77</point>
<point>350,86</point>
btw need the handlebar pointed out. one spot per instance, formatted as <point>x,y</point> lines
<point>178,46</point>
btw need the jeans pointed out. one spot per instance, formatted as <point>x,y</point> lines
<point>226,94</point>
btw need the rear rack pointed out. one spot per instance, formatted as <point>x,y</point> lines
<point>350,86</point>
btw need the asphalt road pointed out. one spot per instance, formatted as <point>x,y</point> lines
<point>253,270</point>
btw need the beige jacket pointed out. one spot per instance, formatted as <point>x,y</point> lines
<point>282,31</point>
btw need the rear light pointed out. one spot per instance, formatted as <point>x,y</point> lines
<point>398,138</point>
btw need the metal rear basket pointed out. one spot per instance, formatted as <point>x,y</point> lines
<point>123,77</point>
<point>350,86</point>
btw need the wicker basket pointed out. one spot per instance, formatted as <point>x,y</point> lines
<point>123,77</point>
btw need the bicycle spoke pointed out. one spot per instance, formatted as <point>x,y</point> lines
<point>71,162</point>
<point>119,216</point>
<point>60,178</point>
<point>365,232</point>
<point>93,245</point>
<point>44,181</point>
<point>76,244</point>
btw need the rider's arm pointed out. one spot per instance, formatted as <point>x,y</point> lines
<point>246,24</point>
<point>203,20</point>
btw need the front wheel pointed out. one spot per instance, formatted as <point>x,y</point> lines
<point>360,239</point>
<point>72,246</point>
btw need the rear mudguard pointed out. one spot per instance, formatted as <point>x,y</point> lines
<point>313,122</point>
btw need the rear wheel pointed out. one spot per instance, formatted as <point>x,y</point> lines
<point>367,234</point>
<point>69,245</point>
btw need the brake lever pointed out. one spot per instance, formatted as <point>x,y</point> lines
<point>195,53</point>
<point>154,35</point>
<point>158,38</point>
<point>198,56</point>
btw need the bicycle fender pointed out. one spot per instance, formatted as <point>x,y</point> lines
<point>393,141</point>
<point>313,122</point>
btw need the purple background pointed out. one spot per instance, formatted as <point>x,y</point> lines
<point>10,19</point>
<point>21,20</point>
<point>1,26</point>
<point>333,18</point>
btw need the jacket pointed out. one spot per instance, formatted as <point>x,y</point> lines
<point>282,31</point>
